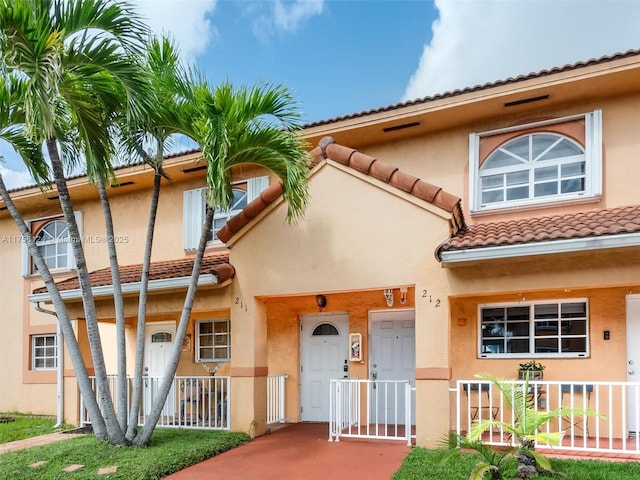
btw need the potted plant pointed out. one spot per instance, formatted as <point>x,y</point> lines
<point>531,370</point>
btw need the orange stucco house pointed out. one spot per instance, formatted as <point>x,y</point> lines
<point>466,232</point>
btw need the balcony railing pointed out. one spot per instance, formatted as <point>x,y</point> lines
<point>600,416</point>
<point>193,402</point>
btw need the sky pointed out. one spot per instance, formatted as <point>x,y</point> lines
<point>346,56</point>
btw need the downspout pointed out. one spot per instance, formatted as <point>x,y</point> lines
<point>60,367</point>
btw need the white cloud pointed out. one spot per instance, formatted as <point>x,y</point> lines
<point>15,178</point>
<point>475,42</point>
<point>187,21</point>
<point>286,16</point>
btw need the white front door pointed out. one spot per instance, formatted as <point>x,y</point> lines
<point>392,356</point>
<point>633,359</point>
<point>159,339</point>
<point>324,348</point>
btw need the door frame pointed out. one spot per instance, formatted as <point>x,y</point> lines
<point>631,392</point>
<point>394,315</point>
<point>319,316</point>
<point>151,328</point>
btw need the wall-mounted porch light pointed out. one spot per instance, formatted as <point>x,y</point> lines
<point>321,301</point>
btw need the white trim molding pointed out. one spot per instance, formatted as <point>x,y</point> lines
<point>133,287</point>
<point>540,248</point>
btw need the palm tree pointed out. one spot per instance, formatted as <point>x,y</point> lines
<point>149,137</point>
<point>74,60</point>
<point>234,126</point>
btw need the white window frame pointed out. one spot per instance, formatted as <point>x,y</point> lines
<point>226,215</point>
<point>593,166</point>
<point>532,333</point>
<point>39,352</point>
<point>226,345</point>
<point>194,210</point>
<point>28,267</point>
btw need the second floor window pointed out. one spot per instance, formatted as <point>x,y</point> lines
<point>533,166</point>
<point>53,242</point>
<point>51,236</point>
<point>542,163</point>
<point>237,204</point>
<point>194,209</point>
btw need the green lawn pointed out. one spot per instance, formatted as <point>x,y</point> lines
<point>170,450</point>
<point>423,464</point>
<point>25,426</point>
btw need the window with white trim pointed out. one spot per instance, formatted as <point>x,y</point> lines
<point>51,235</point>
<point>194,209</point>
<point>539,163</point>
<point>213,340</point>
<point>220,217</point>
<point>44,352</point>
<point>53,243</point>
<point>534,329</point>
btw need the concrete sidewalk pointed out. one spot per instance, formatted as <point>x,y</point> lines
<point>301,451</point>
<point>36,441</point>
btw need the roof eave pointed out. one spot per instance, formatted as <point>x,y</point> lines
<point>128,288</point>
<point>458,257</point>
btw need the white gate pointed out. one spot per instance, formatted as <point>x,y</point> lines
<point>353,403</point>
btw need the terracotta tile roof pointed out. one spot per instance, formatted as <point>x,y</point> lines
<point>136,163</point>
<point>328,149</point>
<point>217,265</point>
<point>498,83</point>
<point>595,223</point>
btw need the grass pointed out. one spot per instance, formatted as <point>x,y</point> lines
<point>170,450</point>
<point>26,426</point>
<point>423,464</point>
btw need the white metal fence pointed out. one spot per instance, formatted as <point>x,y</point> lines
<point>276,398</point>
<point>193,402</point>
<point>382,409</point>
<point>600,416</point>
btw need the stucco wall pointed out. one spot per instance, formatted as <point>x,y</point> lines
<point>357,236</point>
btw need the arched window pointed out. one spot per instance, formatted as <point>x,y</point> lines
<point>161,337</point>
<point>325,329</point>
<point>53,242</point>
<point>556,161</point>
<point>537,165</point>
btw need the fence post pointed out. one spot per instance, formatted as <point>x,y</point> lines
<point>407,412</point>
<point>282,413</point>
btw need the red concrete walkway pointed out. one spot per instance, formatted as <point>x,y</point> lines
<point>302,451</point>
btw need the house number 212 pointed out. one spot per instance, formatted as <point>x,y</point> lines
<point>427,295</point>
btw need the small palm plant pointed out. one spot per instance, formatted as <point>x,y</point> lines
<point>525,431</point>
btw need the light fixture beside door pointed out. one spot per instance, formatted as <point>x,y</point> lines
<point>389,296</point>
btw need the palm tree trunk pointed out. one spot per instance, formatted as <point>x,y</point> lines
<point>114,433</point>
<point>143,437</point>
<point>118,303</point>
<point>84,383</point>
<point>142,310</point>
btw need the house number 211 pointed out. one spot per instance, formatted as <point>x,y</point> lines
<point>430,299</point>
<point>243,306</point>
